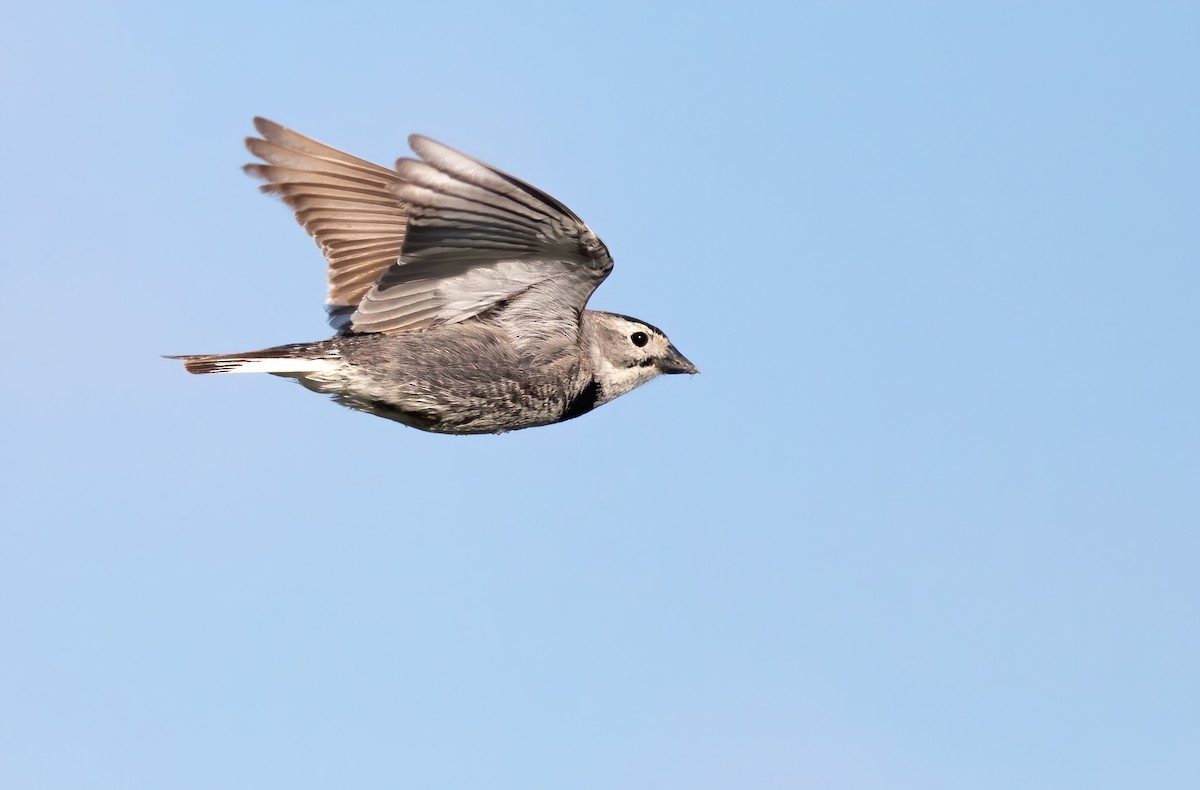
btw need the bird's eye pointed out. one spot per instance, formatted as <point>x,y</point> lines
<point>639,339</point>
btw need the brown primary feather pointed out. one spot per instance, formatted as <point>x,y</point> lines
<point>342,201</point>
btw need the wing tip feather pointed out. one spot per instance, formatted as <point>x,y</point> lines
<point>266,127</point>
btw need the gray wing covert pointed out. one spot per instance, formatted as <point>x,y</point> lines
<point>480,239</point>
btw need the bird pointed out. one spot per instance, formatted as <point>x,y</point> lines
<point>457,291</point>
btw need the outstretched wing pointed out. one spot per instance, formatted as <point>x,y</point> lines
<point>439,240</point>
<point>345,203</point>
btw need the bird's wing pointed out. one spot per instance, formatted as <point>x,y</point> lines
<point>345,204</point>
<point>470,238</point>
<point>479,239</point>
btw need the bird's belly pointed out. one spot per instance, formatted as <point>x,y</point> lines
<point>484,407</point>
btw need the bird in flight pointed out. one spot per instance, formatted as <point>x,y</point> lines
<point>458,293</point>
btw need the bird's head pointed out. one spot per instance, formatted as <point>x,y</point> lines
<point>627,353</point>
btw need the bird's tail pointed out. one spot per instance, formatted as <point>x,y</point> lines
<point>298,359</point>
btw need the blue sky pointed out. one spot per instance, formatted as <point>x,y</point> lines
<point>928,518</point>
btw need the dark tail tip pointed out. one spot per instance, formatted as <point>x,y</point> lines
<point>203,363</point>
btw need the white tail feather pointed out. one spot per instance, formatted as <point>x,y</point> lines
<point>250,363</point>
